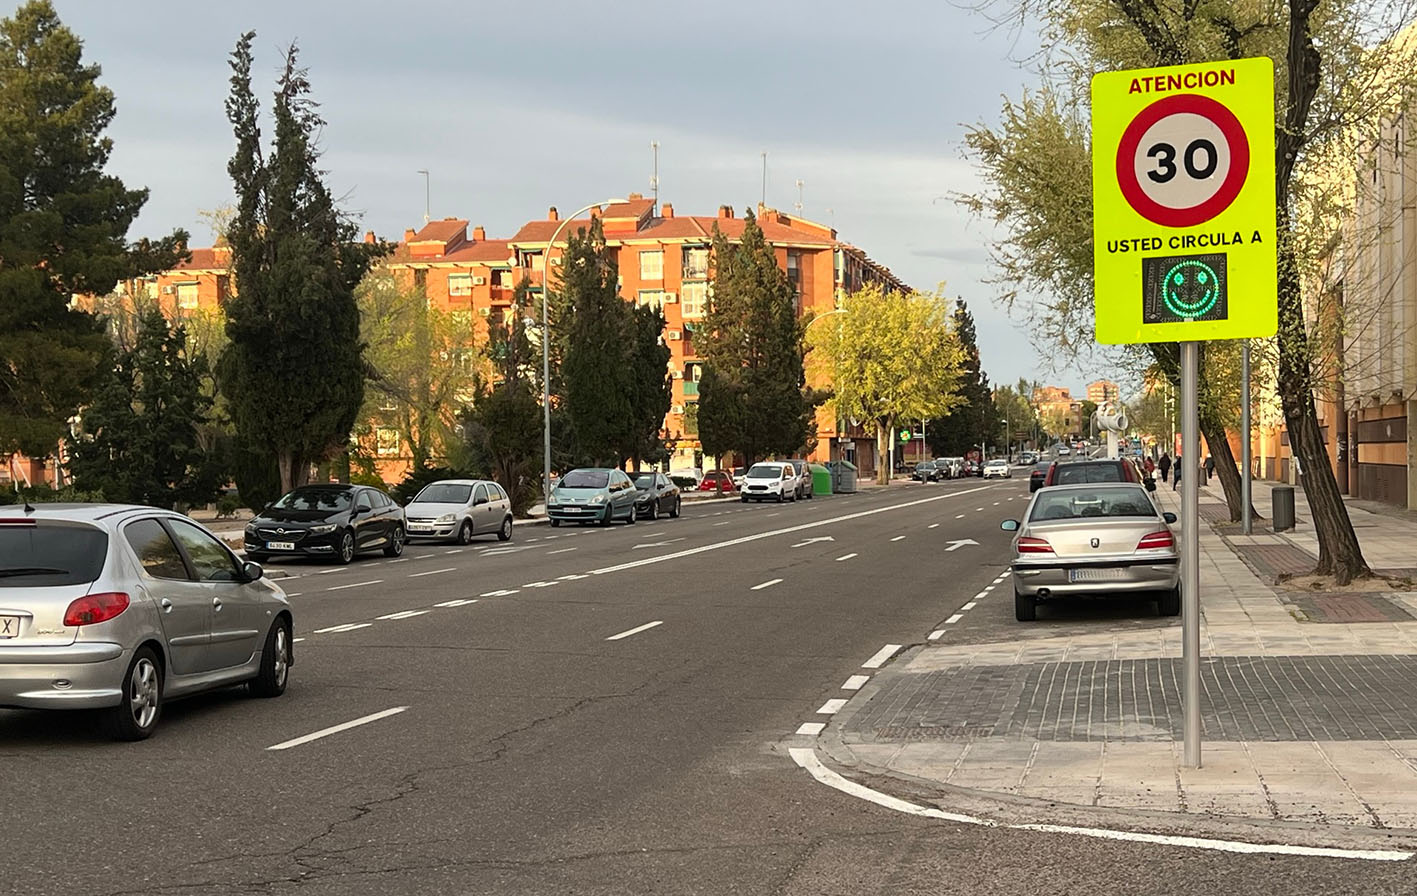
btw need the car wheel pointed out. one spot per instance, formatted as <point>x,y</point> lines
<point>745,499</point>
<point>609,515</point>
<point>555,524</point>
<point>346,548</point>
<point>465,532</point>
<point>275,663</point>
<point>630,520</point>
<point>780,498</point>
<point>674,511</point>
<point>1169,603</point>
<point>395,545</point>
<point>505,533</point>
<point>135,717</point>
<point>1025,608</point>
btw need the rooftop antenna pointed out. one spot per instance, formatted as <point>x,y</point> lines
<point>424,172</point>
<point>764,200</point>
<point>798,204</point>
<point>654,178</point>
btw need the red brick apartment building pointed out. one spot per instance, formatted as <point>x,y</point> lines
<point>662,259</point>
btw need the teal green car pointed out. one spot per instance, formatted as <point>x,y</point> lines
<point>593,495</point>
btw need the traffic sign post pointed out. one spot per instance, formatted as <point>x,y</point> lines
<point>1184,249</point>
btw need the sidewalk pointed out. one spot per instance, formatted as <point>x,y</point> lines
<point>1309,718</point>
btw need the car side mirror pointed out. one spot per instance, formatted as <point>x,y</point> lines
<point>253,570</point>
<point>1169,517</point>
<point>1009,525</point>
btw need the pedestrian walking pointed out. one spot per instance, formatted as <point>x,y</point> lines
<point>1164,465</point>
<point>1209,467</point>
<point>1176,480</point>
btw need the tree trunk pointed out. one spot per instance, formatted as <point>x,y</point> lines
<point>1225,465</point>
<point>285,460</point>
<point>883,450</point>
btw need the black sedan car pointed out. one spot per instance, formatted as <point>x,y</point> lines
<point>655,494</point>
<point>1038,475</point>
<point>925,471</point>
<point>334,520</point>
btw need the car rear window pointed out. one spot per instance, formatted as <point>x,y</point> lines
<point>1073,473</point>
<point>50,553</point>
<point>1091,502</point>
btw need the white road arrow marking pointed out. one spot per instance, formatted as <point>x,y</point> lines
<point>956,545</point>
<point>803,544</point>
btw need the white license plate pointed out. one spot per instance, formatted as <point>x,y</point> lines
<point>1096,575</point>
<point>420,527</point>
<point>280,545</point>
<point>9,626</point>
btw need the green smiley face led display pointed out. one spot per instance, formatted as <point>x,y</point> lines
<point>1190,289</point>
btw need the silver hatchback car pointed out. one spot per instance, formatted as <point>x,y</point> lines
<point>118,607</point>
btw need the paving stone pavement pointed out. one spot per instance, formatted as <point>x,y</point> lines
<point>1309,711</point>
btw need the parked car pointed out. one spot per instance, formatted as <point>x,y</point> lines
<point>951,467</point>
<point>1108,470</point>
<point>655,494</point>
<point>804,476</point>
<point>458,509</point>
<point>1039,474</point>
<point>1102,539</point>
<point>334,520</point>
<point>998,468</point>
<point>772,479</point>
<point>1028,457</point>
<point>1063,451</point>
<point>739,474</point>
<point>593,495</point>
<point>925,471</point>
<point>687,479</point>
<point>972,468</point>
<point>111,607</point>
<point>715,479</point>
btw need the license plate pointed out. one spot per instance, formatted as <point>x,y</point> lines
<point>280,545</point>
<point>420,527</point>
<point>9,626</point>
<point>1096,575</point>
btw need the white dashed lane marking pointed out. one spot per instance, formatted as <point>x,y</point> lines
<point>636,630</point>
<point>953,619</point>
<point>354,585</point>
<point>855,682</point>
<point>347,627</point>
<point>502,593</point>
<point>402,614</point>
<point>960,517</point>
<point>936,634</point>
<point>573,577</point>
<point>898,538</point>
<point>540,584</point>
<point>768,584</point>
<point>462,602</point>
<point>336,729</point>
<point>845,557</point>
<point>561,551</point>
<point>831,707</point>
<point>933,526</point>
<point>880,657</point>
<point>432,572</point>
<point>811,729</point>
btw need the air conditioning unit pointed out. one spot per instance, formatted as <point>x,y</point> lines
<point>485,312</point>
<point>673,335</point>
<point>670,298</point>
<point>169,290</point>
<point>479,281</point>
<point>676,374</point>
<point>676,409</point>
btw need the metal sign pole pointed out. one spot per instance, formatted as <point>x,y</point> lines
<point>1190,553</point>
<point>1245,485</point>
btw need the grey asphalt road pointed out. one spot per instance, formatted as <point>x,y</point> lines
<point>518,746</point>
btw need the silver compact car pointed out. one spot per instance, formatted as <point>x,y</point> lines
<point>458,509</point>
<point>1104,538</point>
<point>121,608</point>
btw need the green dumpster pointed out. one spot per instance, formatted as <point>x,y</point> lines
<point>821,479</point>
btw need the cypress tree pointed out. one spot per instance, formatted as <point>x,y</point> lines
<point>294,371</point>
<point>62,227</point>
<point>652,391</point>
<point>974,419</point>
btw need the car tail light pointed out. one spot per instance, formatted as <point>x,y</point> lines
<point>1029,545</point>
<point>95,608</point>
<point>1154,540</point>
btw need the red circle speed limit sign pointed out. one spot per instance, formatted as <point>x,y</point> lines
<point>1182,160</point>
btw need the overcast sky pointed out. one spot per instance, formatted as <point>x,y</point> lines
<point>513,107</point>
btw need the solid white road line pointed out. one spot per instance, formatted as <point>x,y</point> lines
<point>880,657</point>
<point>855,682</point>
<point>502,593</point>
<point>953,619</point>
<point>461,602</point>
<point>354,585</point>
<point>432,572</point>
<point>936,634</point>
<point>561,551</point>
<point>402,614</point>
<point>831,707</point>
<point>689,552</point>
<point>768,584</point>
<point>898,538</point>
<point>336,729</point>
<point>811,728</point>
<point>636,631</point>
<point>845,557</point>
<point>807,760</point>
<point>346,627</point>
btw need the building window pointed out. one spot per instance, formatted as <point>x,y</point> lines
<point>654,298</point>
<point>652,265</point>
<point>692,299</point>
<point>503,279</point>
<point>794,269</point>
<point>696,262</point>
<point>187,295</point>
<point>386,441</point>
<point>459,285</point>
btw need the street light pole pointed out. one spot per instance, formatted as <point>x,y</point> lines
<point>546,352</point>
<point>426,193</point>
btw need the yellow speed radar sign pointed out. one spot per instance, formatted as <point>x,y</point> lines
<point>1183,202</point>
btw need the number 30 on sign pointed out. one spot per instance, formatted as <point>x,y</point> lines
<point>1183,202</point>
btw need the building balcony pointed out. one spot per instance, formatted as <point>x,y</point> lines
<point>691,389</point>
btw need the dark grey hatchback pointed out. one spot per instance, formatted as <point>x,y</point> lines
<point>335,520</point>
